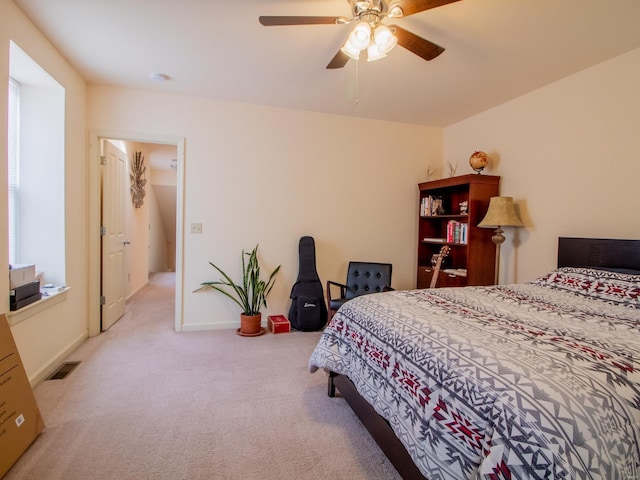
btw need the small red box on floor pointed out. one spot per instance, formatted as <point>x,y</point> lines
<point>278,324</point>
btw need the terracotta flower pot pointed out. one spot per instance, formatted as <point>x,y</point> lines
<point>250,325</point>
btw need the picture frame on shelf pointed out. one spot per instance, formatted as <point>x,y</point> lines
<point>436,206</point>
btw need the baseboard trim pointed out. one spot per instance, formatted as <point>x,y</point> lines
<point>137,290</point>
<point>198,327</point>
<point>51,366</point>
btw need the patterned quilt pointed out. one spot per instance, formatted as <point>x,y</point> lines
<point>525,381</point>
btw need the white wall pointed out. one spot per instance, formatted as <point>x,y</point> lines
<point>267,176</point>
<point>44,338</point>
<point>157,238</point>
<point>568,154</point>
<point>162,224</point>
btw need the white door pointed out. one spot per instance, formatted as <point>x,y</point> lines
<point>114,176</point>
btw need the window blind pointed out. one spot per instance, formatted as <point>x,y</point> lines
<point>13,172</point>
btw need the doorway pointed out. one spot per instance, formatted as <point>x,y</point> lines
<point>176,146</point>
<point>112,234</point>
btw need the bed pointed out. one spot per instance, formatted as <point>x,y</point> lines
<point>533,380</point>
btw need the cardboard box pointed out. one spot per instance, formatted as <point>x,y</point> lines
<point>20,419</point>
<point>20,275</point>
<point>278,324</point>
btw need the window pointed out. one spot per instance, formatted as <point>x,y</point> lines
<point>14,141</point>
<point>36,217</point>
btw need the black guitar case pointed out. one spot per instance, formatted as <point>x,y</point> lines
<point>308,310</point>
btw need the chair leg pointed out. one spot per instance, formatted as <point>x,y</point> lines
<point>331,388</point>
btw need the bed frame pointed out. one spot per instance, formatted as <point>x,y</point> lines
<point>605,254</point>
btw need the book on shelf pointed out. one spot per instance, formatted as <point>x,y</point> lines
<point>459,272</point>
<point>431,205</point>
<point>457,232</point>
<point>434,240</point>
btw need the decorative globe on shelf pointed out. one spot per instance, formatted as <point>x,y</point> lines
<point>478,161</point>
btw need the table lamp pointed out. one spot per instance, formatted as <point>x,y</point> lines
<point>501,213</point>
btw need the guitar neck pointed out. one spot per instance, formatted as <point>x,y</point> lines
<point>436,269</point>
<point>436,273</point>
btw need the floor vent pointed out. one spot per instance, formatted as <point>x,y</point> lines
<point>63,370</point>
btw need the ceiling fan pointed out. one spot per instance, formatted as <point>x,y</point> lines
<point>370,32</point>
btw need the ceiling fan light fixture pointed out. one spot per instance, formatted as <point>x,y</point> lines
<point>395,12</point>
<point>361,36</point>
<point>384,39</point>
<point>374,53</point>
<point>362,6</point>
<point>350,50</point>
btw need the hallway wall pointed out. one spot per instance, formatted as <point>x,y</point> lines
<point>46,333</point>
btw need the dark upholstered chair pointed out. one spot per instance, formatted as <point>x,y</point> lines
<point>362,278</point>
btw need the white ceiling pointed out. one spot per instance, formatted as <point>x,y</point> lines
<point>496,50</point>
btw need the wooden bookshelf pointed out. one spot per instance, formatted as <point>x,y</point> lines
<point>474,252</point>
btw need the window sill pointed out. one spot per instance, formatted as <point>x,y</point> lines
<point>41,305</point>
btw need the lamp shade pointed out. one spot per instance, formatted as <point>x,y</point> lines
<point>501,213</point>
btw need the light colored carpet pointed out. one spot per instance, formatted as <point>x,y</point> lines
<point>149,403</point>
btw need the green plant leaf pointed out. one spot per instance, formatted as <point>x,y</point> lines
<point>251,294</point>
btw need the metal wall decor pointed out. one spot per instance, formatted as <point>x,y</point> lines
<point>137,179</point>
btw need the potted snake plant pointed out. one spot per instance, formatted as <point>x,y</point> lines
<point>250,294</point>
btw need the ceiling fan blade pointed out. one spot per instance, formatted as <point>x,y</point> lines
<point>409,7</point>
<point>418,45</point>
<point>270,21</point>
<point>339,61</point>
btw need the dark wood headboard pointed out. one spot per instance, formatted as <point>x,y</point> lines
<point>602,253</point>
